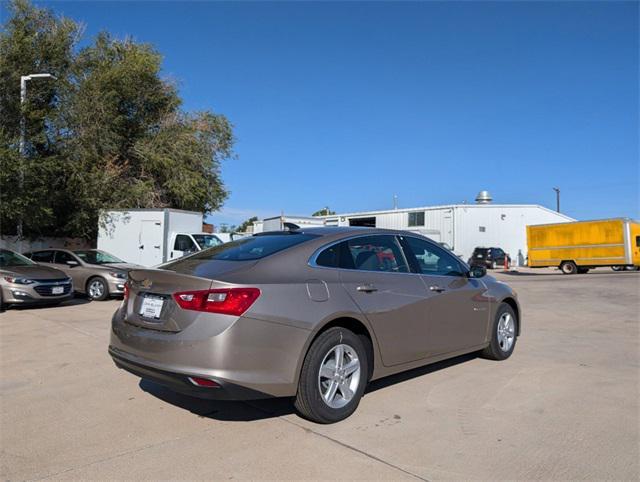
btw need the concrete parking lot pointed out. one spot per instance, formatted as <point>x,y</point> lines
<point>565,406</point>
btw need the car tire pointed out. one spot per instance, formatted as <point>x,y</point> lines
<point>617,268</point>
<point>504,334</point>
<point>97,289</point>
<point>328,390</point>
<point>568,267</point>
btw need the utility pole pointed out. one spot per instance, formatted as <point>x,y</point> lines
<point>557,190</point>
<point>23,127</point>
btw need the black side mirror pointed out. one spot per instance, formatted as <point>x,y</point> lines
<point>477,272</point>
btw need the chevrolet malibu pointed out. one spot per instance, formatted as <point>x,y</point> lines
<point>313,314</point>
<point>23,282</point>
<point>96,273</point>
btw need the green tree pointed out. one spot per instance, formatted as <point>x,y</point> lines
<point>33,41</point>
<point>109,133</point>
<point>245,225</point>
<point>324,212</point>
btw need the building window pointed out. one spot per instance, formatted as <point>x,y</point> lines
<point>416,219</point>
<point>482,229</point>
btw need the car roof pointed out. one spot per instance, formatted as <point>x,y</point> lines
<point>334,230</point>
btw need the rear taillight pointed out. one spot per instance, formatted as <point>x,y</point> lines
<point>231,301</point>
<point>125,293</point>
<point>204,382</point>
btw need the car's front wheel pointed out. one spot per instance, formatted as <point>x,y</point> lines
<point>503,334</point>
<point>97,289</point>
<point>333,376</point>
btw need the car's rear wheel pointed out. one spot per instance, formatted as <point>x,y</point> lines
<point>97,289</point>
<point>568,267</point>
<point>333,376</point>
<point>503,334</point>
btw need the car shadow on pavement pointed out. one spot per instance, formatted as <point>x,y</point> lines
<point>385,382</point>
<point>245,411</point>
<point>223,410</point>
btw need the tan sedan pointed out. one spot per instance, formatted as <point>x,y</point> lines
<point>96,273</point>
<point>23,282</point>
<point>313,314</point>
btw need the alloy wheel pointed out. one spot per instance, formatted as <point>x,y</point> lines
<point>506,332</point>
<point>339,376</point>
<point>96,289</point>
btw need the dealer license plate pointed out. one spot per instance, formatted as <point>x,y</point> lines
<point>151,307</point>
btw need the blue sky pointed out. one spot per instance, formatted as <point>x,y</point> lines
<point>347,104</point>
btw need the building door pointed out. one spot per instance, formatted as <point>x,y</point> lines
<point>150,243</point>
<point>446,235</point>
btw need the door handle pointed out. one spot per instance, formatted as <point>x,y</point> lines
<point>157,247</point>
<point>367,288</point>
<point>437,289</point>
<point>141,246</point>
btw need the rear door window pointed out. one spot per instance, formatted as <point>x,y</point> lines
<point>63,257</point>
<point>42,257</point>
<point>376,253</point>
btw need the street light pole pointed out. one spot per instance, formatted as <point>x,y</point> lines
<point>23,128</point>
<point>557,190</point>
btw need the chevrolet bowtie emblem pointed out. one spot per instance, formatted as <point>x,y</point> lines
<point>146,283</point>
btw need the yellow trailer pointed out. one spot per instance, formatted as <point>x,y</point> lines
<point>579,246</point>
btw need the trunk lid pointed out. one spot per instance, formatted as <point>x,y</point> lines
<point>151,304</point>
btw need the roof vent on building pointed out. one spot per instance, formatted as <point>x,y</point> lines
<point>483,197</point>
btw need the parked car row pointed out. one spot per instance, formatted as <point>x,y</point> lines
<point>52,276</point>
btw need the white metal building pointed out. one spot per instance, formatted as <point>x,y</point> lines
<point>278,223</point>
<point>462,227</point>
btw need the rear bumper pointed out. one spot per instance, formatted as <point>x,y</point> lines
<point>249,358</point>
<point>180,383</point>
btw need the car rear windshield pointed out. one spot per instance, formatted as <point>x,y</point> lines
<point>254,247</point>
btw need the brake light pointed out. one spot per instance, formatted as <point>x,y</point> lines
<point>204,382</point>
<point>125,293</point>
<point>229,301</point>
